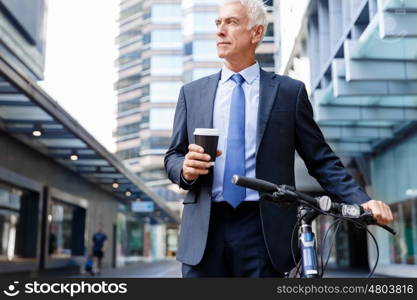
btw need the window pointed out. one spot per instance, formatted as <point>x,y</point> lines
<point>128,81</point>
<point>128,57</point>
<point>188,49</point>
<point>128,129</point>
<point>146,39</point>
<point>128,105</point>
<point>130,11</point>
<point>403,246</point>
<point>132,33</point>
<point>17,222</point>
<point>266,60</point>
<point>161,118</point>
<point>205,50</point>
<point>205,21</point>
<point>60,230</point>
<point>201,72</point>
<point>165,91</point>
<point>166,38</point>
<point>166,13</point>
<point>10,199</point>
<point>166,65</point>
<point>66,229</point>
<point>155,174</point>
<point>128,153</point>
<point>199,22</point>
<point>269,30</point>
<point>156,142</point>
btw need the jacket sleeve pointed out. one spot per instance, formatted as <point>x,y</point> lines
<point>178,148</point>
<point>321,161</point>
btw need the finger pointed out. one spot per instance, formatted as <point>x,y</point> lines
<point>195,172</point>
<point>376,210</point>
<point>198,164</point>
<point>384,213</point>
<point>187,175</point>
<point>388,214</point>
<point>391,215</point>
<point>195,148</point>
<point>197,156</point>
<point>365,206</point>
<point>218,153</point>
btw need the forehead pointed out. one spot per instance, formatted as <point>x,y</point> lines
<point>232,10</point>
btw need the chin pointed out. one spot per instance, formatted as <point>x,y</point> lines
<point>221,54</point>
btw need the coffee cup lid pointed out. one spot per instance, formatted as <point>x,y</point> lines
<point>206,131</point>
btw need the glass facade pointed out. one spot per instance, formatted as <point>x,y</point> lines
<point>66,229</point>
<point>350,54</point>
<point>161,118</point>
<point>148,93</point>
<point>205,50</point>
<point>166,65</point>
<point>165,91</point>
<point>199,22</point>
<point>23,35</point>
<point>10,200</point>
<point>60,229</point>
<point>17,220</point>
<point>166,39</point>
<point>166,13</point>
<point>395,182</point>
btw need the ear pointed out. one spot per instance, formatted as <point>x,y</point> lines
<point>257,33</point>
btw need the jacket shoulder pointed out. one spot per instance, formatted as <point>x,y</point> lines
<point>290,82</point>
<point>199,83</point>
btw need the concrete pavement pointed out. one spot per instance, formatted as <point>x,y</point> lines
<point>172,269</point>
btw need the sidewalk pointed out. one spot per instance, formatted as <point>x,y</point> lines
<point>172,269</point>
<point>158,269</point>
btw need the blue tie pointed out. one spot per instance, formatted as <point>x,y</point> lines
<point>235,153</point>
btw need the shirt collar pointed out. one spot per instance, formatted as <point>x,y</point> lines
<point>249,74</point>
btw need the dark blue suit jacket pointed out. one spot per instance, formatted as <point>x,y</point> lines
<point>285,124</point>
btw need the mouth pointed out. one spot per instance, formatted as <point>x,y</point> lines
<point>222,44</point>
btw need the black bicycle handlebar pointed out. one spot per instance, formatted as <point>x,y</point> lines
<point>323,203</point>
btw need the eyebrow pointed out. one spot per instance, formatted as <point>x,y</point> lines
<point>227,19</point>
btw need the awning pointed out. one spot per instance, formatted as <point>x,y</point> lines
<point>28,113</point>
<point>372,96</point>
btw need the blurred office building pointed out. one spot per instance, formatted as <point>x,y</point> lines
<point>58,185</point>
<point>358,60</point>
<point>162,45</point>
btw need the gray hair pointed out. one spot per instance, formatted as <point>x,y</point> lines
<point>256,12</point>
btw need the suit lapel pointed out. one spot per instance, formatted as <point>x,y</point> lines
<point>207,96</point>
<point>269,85</point>
<point>268,89</point>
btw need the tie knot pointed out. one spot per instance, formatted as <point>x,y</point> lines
<point>238,78</point>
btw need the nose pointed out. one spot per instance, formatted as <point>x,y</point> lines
<point>221,31</point>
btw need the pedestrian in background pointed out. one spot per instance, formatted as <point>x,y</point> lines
<point>99,246</point>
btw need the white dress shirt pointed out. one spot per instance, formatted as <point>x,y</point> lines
<point>221,121</point>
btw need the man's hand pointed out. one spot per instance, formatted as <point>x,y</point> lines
<point>196,162</point>
<point>380,210</point>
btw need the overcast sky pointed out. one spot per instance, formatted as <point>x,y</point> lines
<point>80,54</point>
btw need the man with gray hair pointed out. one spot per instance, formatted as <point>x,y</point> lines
<point>226,230</point>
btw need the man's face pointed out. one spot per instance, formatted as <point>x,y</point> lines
<point>233,38</point>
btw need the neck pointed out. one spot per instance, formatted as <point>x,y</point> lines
<point>237,65</point>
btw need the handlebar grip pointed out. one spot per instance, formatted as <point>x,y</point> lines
<point>373,221</point>
<point>387,228</point>
<point>254,184</point>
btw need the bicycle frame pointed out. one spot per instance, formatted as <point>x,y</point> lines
<point>307,243</point>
